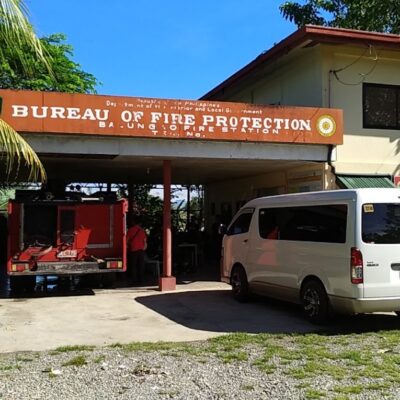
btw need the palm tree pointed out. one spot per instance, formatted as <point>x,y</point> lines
<point>17,33</point>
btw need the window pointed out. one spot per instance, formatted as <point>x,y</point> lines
<point>67,226</point>
<point>241,224</point>
<point>381,223</point>
<point>381,106</point>
<point>40,225</point>
<point>326,223</point>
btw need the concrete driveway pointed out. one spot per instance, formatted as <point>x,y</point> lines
<point>195,311</point>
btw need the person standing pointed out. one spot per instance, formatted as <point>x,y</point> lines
<point>136,241</point>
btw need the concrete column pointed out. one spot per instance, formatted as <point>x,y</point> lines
<point>167,281</point>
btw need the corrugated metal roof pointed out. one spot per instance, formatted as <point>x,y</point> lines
<point>355,182</point>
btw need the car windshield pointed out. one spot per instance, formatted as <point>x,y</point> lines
<point>381,223</point>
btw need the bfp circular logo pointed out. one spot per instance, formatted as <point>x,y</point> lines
<point>326,125</point>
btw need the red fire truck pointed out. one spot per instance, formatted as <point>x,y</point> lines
<point>67,235</point>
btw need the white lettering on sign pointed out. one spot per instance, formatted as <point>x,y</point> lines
<point>96,114</point>
<point>172,118</point>
<point>20,111</point>
<point>69,253</point>
<point>129,116</point>
<point>177,119</point>
<point>256,123</point>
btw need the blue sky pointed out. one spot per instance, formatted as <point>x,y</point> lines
<point>167,49</point>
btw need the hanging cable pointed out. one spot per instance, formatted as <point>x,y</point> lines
<point>375,58</point>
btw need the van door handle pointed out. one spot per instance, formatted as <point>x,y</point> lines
<point>245,240</point>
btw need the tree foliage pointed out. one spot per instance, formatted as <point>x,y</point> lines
<point>17,35</point>
<point>67,76</point>
<point>369,15</point>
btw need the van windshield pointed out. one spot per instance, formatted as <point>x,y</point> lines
<point>381,223</point>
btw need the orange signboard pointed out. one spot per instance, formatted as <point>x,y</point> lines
<point>63,113</point>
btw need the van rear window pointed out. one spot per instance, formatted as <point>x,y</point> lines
<point>324,223</point>
<point>381,223</point>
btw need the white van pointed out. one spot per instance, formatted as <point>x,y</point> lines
<point>334,250</point>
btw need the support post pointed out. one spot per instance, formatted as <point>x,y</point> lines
<point>167,281</point>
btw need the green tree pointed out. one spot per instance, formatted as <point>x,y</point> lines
<point>369,15</point>
<point>16,35</point>
<point>67,76</point>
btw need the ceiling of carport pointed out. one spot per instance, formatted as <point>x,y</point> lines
<point>124,169</point>
<point>140,160</point>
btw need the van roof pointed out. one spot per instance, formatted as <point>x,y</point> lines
<point>330,195</point>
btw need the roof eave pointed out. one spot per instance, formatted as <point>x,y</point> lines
<point>312,33</point>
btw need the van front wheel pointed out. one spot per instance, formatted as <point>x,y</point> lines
<point>240,285</point>
<point>315,302</point>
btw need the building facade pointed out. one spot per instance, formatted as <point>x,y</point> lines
<point>358,72</point>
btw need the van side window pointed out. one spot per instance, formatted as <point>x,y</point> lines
<point>325,223</point>
<point>267,223</point>
<point>381,223</point>
<point>241,224</point>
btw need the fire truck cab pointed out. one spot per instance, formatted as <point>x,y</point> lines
<point>70,234</point>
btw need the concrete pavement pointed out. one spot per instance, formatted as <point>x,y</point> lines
<point>195,311</point>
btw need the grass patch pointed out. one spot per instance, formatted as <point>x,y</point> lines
<point>7,367</point>
<point>26,356</point>
<point>167,348</point>
<point>99,359</point>
<point>171,394</point>
<point>377,386</point>
<point>67,349</point>
<point>354,389</point>
<point>346,358</point>
<point>265,366</point>
<point>228,357</point>
<point>77,361</point>
<point>314,394</point>
<point>247,388</point>
<point>303,385</point>
<point>355,357</point>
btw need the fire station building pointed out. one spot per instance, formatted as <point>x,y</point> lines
<point>319,110</point>
<point>355,71</point>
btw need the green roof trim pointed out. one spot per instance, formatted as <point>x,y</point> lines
<point>356,182</point>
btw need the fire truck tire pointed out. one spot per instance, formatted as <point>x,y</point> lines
<point>22,284</point>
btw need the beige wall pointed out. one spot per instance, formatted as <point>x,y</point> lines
<point>365,151</point>
<point>294,80</point>
<point>305,78</point>
<point>232,194</point>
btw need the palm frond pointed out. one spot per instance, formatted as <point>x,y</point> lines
<point>17,33</point>
<point>17,152</point>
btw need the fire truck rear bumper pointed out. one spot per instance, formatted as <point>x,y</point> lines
<point>68,268</point>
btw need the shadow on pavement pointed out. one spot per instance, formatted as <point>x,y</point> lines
<point>50,287</point>
<point>217,311</point>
